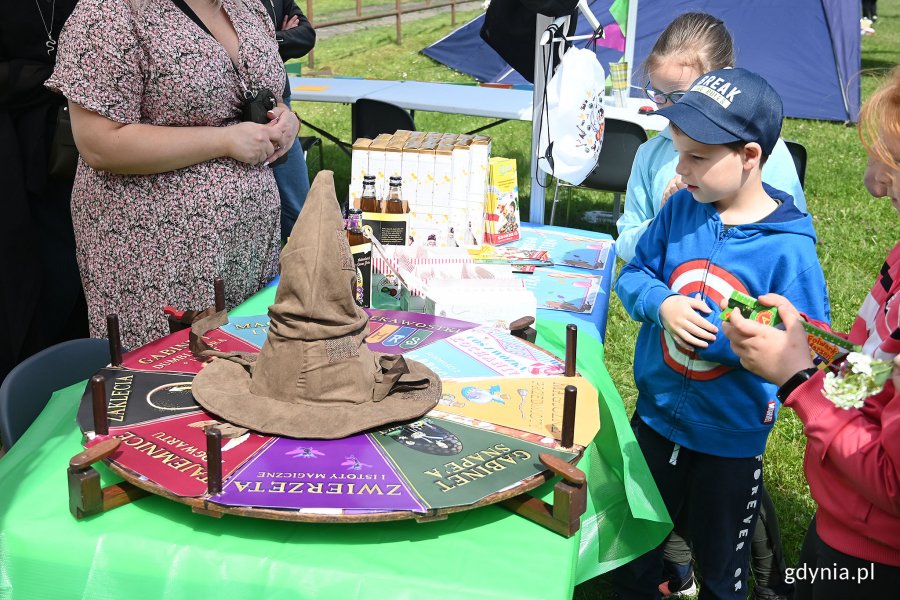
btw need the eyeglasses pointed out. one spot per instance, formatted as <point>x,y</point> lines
<point>663,97</point>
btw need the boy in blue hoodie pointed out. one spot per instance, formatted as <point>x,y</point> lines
<point>701,419</point>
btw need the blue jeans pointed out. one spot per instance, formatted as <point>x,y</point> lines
<point>293,185</point>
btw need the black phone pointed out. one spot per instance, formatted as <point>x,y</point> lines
<point>257,104</point>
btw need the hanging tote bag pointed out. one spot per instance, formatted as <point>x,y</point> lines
<point>572,119</point>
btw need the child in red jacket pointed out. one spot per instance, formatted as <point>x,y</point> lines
<point>852,463</point>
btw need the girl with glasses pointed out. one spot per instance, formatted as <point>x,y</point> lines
<point>692,44</point>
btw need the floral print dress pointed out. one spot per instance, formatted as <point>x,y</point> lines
<point>146,241</point>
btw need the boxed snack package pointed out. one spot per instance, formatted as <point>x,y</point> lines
<point>502,202</point>
<point>359,167</point>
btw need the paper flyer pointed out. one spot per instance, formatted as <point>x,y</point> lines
<point>581,251</point>
<point>487,352</point>
<point>564,290</point>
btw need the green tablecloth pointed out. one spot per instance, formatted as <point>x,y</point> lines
<point>155,548</point>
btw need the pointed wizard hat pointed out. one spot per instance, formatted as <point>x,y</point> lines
<point>315,377</point>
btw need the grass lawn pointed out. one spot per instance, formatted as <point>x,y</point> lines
<point>855,231</point>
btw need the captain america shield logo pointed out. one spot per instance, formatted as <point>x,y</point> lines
<point>714,284</point>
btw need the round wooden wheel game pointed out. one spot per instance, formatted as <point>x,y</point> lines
<point>506,423</point>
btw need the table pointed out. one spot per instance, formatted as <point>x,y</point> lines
<point>594,322</point>
<point>336,89</point>
<point>155,548</point>
<point>474,100</point>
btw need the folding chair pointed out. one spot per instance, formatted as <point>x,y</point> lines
<point>28,387</point>
<point>371,117</point>
<point>798,153</point>
<point>621,140</point>
<point>308,142</point>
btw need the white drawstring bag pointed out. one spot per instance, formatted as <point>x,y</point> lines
<point>572,119</point>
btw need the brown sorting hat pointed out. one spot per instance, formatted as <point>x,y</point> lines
<point>315,377</point>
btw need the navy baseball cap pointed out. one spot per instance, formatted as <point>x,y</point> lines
<point>729,105</point>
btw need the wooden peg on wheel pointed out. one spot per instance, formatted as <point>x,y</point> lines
<point>569,499</point>
<point>219,288</point>
<point>182,319</point>
<point>567,439</point>
<point>213,461</point>
<point>115,340</point>
<point>522,328</point>
<point>98,402</point>
<point>571,348</point>
<point>213,472</point>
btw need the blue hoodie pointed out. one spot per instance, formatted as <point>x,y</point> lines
<point>706,401</point>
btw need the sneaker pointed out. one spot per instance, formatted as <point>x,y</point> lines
<point>677,588</point>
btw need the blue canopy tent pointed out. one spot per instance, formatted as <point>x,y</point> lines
<point>463,50</point>
<point>809,50</point>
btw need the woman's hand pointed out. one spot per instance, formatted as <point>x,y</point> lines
<point>771,353</point>
<point>283,128</point>
<point>249,142</point>
<point>679,317</point>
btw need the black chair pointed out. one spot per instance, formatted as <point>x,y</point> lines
<point>371,117</point>
<point>308,142</point>
<point>798,153</point>
<point>621,140</point>
<point>26,390</point>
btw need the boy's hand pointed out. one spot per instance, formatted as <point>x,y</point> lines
<point>689,330</point>
<point>771,353</point>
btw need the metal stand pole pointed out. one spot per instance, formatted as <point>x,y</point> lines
<point>538,177</point>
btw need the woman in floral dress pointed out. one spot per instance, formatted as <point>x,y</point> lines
<point>172,188</point>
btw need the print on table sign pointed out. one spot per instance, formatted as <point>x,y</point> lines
<point>450,464</point>
<point>172,452</point>
<point>252,329</point>
<point>397,332</point>
<point>346,474</point>
<point>390,331</point>
<point>171,354</point>
<point>134,397</point>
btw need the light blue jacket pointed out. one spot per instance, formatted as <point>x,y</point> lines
<point>654,168</point>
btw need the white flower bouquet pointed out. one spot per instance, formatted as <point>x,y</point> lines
<point>861,376</point>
